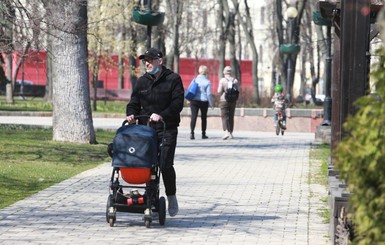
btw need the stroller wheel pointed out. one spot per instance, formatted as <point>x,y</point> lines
<point>109,204</point>
<point>110,211</point>
<point>162,210</point>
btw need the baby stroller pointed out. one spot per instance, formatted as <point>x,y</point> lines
<point>135,153</point>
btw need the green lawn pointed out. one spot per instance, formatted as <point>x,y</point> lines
<point>30,161</point>
<point>38,104</point>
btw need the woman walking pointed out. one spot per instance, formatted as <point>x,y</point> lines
<point>227,107</point>
<point>201,101</point>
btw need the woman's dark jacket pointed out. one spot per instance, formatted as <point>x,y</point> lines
<point>164,96</point>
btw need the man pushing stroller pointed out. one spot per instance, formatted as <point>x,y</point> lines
<point>159,93</point>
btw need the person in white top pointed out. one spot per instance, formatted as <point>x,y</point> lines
<point>227,108</point>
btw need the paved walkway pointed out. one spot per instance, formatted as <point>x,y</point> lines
<point>253,189</point>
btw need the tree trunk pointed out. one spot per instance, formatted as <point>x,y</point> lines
<point>132,56</point>
<point>233,57</point>
<point>49,76</point>
<point>247,26</point>
<point>176,8</point>
<point>222,39</point>
<point>9,87</point>
<point>121,48</point>
<point>8,93</point>
<point>177,18</point>
<point>7,17</point>
<point>72,118</point>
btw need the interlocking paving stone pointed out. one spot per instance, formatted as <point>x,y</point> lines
<point>253,189</point>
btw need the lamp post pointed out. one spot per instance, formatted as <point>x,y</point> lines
<point>291,14</point>
<point>328,98</point>
<point>319,20</point>
<point>149,27</point>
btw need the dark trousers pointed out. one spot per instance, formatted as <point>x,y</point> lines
<point>195,106</point>
<point>168,139</point>
<point>227,114</point>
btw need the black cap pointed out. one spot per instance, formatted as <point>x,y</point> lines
<point>151,53</point>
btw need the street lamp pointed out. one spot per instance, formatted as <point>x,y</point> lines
<point>291,13</point>
<point>149,18</point>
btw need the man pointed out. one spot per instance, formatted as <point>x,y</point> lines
<point>159,93</point>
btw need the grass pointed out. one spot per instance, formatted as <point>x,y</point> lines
<point>19,104</point>
<point>30,161</point>
<point>319,156</point>
<point>39,104</point>
<point>109,106</point>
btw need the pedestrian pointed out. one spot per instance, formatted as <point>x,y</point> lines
<point>280,104</point>
<point>201,101</point>
<point>159,93</point>
<point>227,107</point>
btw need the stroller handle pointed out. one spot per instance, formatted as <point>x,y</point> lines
<point>148,121</point>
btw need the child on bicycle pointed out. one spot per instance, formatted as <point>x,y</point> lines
<point>279,104</point>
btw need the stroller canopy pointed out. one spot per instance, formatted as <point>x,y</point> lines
<point>135,146</point>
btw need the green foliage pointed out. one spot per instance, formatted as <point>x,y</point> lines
<point>360,159</point>
<point>30,161</point>
<point>107,20</point>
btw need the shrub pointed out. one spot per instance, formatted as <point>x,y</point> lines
<point>361,162</point>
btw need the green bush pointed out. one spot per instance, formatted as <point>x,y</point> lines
<point>361,162</point>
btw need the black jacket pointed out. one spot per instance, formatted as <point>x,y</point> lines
<point>164,96</point>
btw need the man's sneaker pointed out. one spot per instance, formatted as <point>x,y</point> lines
<point>231,136</point>
<point>172,205</point>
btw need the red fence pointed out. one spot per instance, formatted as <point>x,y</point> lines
<point>34,70</point>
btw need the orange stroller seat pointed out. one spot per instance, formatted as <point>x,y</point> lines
<point>136,175</point>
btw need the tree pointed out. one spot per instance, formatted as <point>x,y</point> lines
<point>19,31</point>
<point>111,31</point>
<point>222,37</point>
<point>308,53</point>
<point>247,25</point>
<point>7,25</point>
<point>176,7</point>
<point>226,28</point>
<point>72,118</point>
